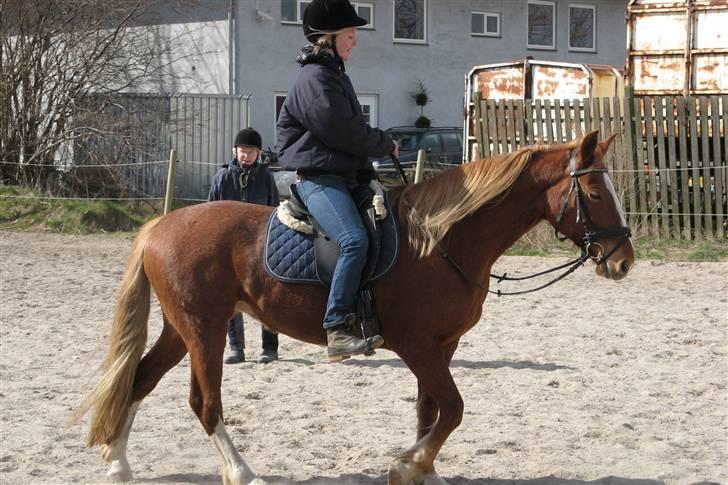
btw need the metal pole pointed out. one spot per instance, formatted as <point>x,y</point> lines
<point>170,180</point>
<point>421,159</point>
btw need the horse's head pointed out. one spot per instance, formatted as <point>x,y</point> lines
<point>584,207</point>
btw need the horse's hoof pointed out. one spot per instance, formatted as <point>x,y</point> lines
<point>258,481</point>
<point>119,472</point>
<point>401,473</point>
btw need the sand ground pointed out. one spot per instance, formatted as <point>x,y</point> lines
<point>588,380</point>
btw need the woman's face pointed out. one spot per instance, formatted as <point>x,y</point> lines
<point>345,43</point>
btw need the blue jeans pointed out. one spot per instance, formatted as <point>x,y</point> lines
<point>328,198</point>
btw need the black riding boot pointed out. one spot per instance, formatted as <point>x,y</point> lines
<point>342,343</point>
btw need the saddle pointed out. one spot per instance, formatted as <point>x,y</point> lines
<point>307,254</point>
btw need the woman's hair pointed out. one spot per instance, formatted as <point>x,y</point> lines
<point>326,41</point>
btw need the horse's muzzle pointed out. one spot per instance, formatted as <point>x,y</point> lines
<point>614,270</point>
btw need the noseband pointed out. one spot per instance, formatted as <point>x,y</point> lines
<point>590,239</point>
<point>591,236</point>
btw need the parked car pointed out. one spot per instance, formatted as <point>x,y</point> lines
<point>442,145</point>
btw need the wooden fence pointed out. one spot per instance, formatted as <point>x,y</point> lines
<point>668,159</point>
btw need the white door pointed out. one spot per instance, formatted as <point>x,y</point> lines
<point>368,104</point>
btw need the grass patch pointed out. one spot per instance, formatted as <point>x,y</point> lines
<point>540,241</point>
<point>22,209</point>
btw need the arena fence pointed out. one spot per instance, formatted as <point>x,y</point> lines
<point>669,155</point>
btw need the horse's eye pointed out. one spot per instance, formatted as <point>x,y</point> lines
<point>594,196</point>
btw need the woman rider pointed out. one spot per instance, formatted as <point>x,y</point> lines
<point>321,134</point>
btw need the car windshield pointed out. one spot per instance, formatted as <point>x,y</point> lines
<point>407,141</point>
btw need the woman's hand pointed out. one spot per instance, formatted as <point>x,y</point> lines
<point>395,151</point>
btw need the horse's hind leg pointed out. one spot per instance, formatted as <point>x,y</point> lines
<point>206,363</point>
<point>165,354</point>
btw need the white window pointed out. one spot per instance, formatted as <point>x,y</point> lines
<point>541,24</point>
<point>485,23</point>
<point>292,10</point>
<point>278,100</point>
<point>410,21</point>
<point>582,28</point>
<point>368,103</point>
<point>365,11</point>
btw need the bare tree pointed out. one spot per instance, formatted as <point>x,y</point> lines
<point>55,55</point>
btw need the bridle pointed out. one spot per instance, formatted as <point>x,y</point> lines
<point>589,240</point>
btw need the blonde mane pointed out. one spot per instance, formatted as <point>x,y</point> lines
<point>433,208</point>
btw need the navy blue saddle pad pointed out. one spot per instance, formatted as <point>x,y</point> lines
<point>290,255</point>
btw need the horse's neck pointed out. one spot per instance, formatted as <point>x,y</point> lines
<point>490,231</point>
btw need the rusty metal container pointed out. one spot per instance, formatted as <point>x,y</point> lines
<point>534,79</point>
<point>677,47</point>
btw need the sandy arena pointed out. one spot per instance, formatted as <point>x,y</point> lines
<point>588,380</point>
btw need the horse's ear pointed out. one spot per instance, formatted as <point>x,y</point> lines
<point>587,148</point>
<point>604,144</point>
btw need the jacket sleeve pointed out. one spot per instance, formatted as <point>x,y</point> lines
<point>273,195</point>
<point>214,188</point>
<point>330,118</point>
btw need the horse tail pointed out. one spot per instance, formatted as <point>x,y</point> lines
<point>112,395</point>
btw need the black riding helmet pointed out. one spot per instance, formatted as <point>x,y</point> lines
<point>328,16</point>
<point>248,137</point>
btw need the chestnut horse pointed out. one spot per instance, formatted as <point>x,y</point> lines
<point>206,262</point>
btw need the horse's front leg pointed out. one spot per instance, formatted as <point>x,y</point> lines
<point>426,406</point>
<point>439,401</point>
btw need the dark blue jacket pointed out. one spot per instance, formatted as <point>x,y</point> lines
<point>321,128</point>
<point>260,187</point>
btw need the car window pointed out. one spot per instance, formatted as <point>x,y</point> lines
<point>451,143</point>
<point>407,141</point>
<point>431,141</point>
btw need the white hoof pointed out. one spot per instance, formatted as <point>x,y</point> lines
<point>119,471</point>
<point>241,476</point>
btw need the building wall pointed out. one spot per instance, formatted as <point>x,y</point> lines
<point>265,50</point>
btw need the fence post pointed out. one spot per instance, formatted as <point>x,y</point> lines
<point>421,159</point>
<point>168,197</point>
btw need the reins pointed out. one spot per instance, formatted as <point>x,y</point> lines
<point>591,238</point>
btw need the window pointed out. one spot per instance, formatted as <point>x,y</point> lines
<point>582,27</point>
<point>292,10</point>
<point>485,23</point>
<point>431,143</point>
<point>451,145</point>
<point>410,21</point>
<point>368,103</point>
<point>365,11</point>
<point>541,24</point>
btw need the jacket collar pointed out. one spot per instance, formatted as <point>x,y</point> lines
<point>307,56</point>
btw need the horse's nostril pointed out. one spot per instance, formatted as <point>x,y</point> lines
<point>624,266</point>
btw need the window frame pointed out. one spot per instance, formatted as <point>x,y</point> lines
<point>370,25</point>
<point>485,16</point>
<point>552,4</point>
<point>276,113</point>
<point>593,8</point>
<point>398,40</point>
<point>371,100</point>
<point>299,14</point>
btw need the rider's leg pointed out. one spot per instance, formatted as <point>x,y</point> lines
<point>328,198</point>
